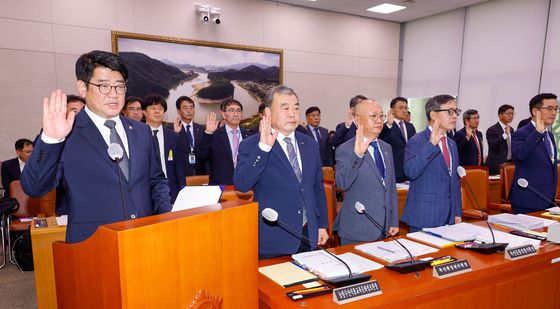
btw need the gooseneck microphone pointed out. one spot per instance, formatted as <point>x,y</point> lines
<point>523,183</point>
<point>116,153</point>
<point>404,267</point>
<point>482,248</point>
<point>271,216</point>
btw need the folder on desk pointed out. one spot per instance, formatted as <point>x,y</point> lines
<point>287,274</point>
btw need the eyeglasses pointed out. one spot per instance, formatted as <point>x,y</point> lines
<point>450,111</point>
<point>106,88</point>
<point>374,117</point>
<point>233,111</point>
<point>137,109</point>
<point>551,109</point>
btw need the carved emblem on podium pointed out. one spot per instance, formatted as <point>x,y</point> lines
<point>205,300</point>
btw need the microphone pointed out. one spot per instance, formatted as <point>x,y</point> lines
<point>116,153</point>
<point>523,183</point>
<point>404,267</point>
<point>271,216</point>
<point>482,248</point>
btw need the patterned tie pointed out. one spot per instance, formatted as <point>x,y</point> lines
<point>378,159</point>
<point>478,154</point>
<point>317,135</point>
<point>189,137</point>
<point>445,151</point>
<point>401,126</point>
<point>508,141</point>
<point>548,145</point>
<point>115,138</point>
<point>235,140</point>
<point>293,157</point>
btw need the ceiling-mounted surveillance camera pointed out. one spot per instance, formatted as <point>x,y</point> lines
<point>204,12</point>
<point>204,18</point>
<point>215,14</point>
<point>216,20</point>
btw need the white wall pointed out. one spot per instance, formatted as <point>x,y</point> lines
<point>328,57</point>
<point>488,54</point>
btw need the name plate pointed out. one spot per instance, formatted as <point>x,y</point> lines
<point>520,252</point>
<point>356,291</point>
<point>451,269</point>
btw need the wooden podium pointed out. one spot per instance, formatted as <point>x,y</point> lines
<point>204,257</point>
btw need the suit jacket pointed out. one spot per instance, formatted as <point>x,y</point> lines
<point>91,179</point>
<point>175,162</point>
<point>533,163</point>
<point>467,148</point>
<point>523,122</point>
<point>434,196</point>
<point>325,146</point>
<point>362,182</point>
<point>275,184</point>
<point>10,172</point>
<point>200,168</point>
<point>216,149</point>
<point>343,134</point>
<point>497,147</point>
<point>393,136</point>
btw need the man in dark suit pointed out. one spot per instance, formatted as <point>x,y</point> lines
<point>190,136</point>
<point>11,169</point>
<point>220,146</point>
<point>499,139</point>
<point>396,132</point>
<point>535,156</point>
<point>524,122</point>
<point>319,134</point>
<point>469,140</point>
<point>430,162</point>
<point>365,171</point>
<point>346,130</point>
<point>283,167</point>
<point>170,153</point>
<point>73,151</point>
<point>133,108</point>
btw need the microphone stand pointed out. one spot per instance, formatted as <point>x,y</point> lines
<point>121,188</point>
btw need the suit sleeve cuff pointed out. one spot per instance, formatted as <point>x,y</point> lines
<point>264,147</point>
<point>50,140</point>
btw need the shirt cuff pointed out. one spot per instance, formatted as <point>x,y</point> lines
<point>264,147</point>
<point>50,140</point>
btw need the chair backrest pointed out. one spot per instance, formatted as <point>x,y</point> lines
<point>197,180</point>
<point>28,206</point>
<point>331,205</point>
<point>506,175</point>
<point>328,174</point>
<point>478,181</point>
<point>233,195</point>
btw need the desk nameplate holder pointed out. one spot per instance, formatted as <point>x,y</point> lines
<point>356,291</point>
<point>520,252</point>
<point>451,269</point>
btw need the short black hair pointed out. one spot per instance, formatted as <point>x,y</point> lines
<point>435,103</point>
<point>132,99</point>
<point>87,63</point>
<point>504,108</point>
<point>181,99</point>
<point>74,98</point>
<point>467,115</point>
<point>356,99</point>
<point>22,142</point>
<point>537,101</point>
<point>312,109</point>
<point>397,99</point>
<point>154,99</point>
<point>229,102</point>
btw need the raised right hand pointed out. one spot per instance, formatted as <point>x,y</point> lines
<point>469,132</point>
<point>539,123</point>
<point>390,117</point>
<point>349,119</point>
<point>55,122</point>
<point>361,146</point>
<point>211,123</point>
<point>265,128</point>
<point>435,136</point>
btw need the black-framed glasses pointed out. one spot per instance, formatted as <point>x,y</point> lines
<point>450,111</point>
<point>374,117</point>
<point>550,108</point>
<point>105,88</point>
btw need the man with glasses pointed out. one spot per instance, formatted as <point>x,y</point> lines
<point>499,139</point>
<point>72,151</point>
<point>534,154</point>
<point>430,162</point>
<point>469,140</point>
<point>221,145</point>
<point>12,169</point>
<point>396,132</point>
<point>133,108</point>
<point>364,170</point>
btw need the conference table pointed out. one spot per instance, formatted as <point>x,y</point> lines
<point>494,282</point>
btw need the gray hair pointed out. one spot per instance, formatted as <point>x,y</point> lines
<point>436,102</point>
<point>280,89</point>
<point>468,114</point>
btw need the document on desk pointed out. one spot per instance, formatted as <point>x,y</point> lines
<point>512,240</point>
<point>456,232</point>
<point>326,266</point>
<point>287,274</point>
<point>62,220</point>
<point>554,210</point>
<point>391,251</point>
<point>518,222</point>
<point>432,240</point>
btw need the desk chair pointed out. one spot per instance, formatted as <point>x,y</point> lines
<point>197,180</point>
<point>232,195</point>
<point>506,174</point>
<point>477,177</point>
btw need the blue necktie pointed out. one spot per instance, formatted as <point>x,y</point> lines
<point>548,145</point>
<point>189,137</point>
<point>293,157</point>
<point>317,135</point>
<point>378,159</point>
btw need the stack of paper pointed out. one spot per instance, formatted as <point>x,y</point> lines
<point>327,267</point>
<point>287,274</point>
<point>391,251</point>
<point>457,232</point>
<point>512,240</point>
<point>554,210</point>
<point>435,241</point>
<point>518,222</point>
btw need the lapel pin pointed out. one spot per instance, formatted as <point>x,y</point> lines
<point>130,127</point>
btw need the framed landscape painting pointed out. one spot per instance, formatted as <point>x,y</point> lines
<point>207,72</point>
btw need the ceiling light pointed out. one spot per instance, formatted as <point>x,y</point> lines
<point>386,8</point>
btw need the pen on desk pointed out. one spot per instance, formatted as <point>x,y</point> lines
<point>385,249</point>
<point>433,234</point>
<point>499,225</point>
